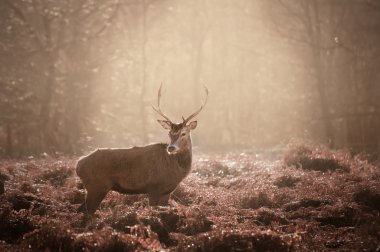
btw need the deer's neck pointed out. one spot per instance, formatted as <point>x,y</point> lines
<point>184,159</point>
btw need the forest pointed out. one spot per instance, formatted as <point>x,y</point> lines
<point>285,152</point>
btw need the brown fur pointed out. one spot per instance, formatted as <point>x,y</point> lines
<point>138,170</point>
<point>154,169</point>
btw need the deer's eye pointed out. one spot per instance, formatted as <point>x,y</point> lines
<point>183,134</point>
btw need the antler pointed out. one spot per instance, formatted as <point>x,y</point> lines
<point>199,110</point>
<point>158,110</point>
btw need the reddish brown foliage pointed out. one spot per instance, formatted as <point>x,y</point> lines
<point>366,197</point>
<point>231,202</point>
<point>286,181</point>
<point>309,158</point>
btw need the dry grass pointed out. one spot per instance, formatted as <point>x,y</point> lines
<point>230,202</point>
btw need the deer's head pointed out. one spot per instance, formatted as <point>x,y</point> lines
<point>179,133</point>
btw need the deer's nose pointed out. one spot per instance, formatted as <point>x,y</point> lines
<point>171,148</point>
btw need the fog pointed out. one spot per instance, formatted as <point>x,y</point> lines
<point>77,75</point>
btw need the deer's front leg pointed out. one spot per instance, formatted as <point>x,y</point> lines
<point>159,199</point>
<point>95,194</point>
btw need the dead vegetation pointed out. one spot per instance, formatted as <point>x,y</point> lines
<point>286,181</point>
<point>314,159</point>
<point>367,197</point>
<point>231,202</point>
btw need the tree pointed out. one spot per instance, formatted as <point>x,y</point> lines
<point>324,30</point>
<point>54,52</point>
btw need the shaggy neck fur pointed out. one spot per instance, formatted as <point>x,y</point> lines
<point>184,157</point>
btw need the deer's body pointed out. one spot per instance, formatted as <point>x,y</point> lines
<point>138,170</point>
<point>155,169</point>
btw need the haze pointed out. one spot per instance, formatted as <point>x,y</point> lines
<point>76,75</point>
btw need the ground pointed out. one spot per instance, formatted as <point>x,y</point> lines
<point>308,199</point>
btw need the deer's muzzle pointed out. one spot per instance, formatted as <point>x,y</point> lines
<point>172,149</point>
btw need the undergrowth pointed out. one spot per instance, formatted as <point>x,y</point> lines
<point>314,199</point>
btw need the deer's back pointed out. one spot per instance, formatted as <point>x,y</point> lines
<point>119,159</point>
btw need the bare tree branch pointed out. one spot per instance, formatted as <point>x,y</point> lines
<point>30,28</point>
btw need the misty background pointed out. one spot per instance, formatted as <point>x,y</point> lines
<point>80,74</point>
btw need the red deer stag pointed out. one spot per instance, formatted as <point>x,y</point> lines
<point>155,169</point>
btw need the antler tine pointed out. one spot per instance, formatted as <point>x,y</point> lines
<point>199,110</point>
<point>158,110</point>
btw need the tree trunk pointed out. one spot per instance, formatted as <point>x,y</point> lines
<point>9,145</point>
<point>197,53</point>
<point>314,33</point>
<point>321,87</point>
<point>47,134</point>
<point>144,134</point>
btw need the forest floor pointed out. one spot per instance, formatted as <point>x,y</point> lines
<point>311,199</point>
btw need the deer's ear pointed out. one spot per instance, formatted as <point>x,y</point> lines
<point>193,125</point>
<point>165,124</point>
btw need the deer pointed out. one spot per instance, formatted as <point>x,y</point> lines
<point>155,169</point>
